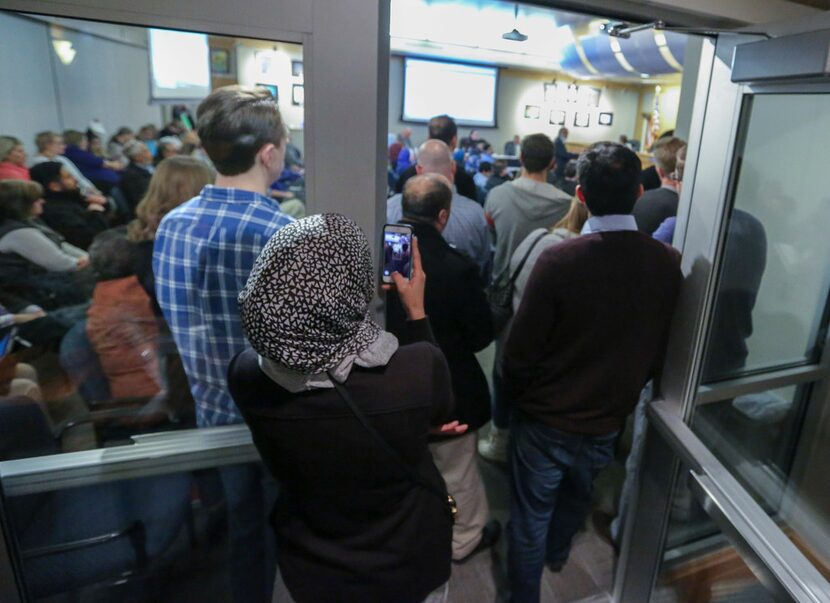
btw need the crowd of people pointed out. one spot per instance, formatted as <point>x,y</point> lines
<point>173,241</point>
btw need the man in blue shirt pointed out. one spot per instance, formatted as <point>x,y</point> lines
<point>203,253</point>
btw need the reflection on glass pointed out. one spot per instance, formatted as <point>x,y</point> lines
<point>776,266</point>
<point>699,565</point>
<point>763,439</point>
<point>154,539</point>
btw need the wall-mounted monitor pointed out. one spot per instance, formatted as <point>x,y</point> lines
<point>465,92</point>
<point>179,65</point>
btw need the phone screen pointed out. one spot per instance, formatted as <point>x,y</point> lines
<point>397,252</point>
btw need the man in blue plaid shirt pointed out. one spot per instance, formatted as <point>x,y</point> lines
<point>203,253</point>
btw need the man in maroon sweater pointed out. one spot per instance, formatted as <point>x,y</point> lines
<point>590,332</point>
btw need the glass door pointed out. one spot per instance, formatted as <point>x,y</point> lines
<point>736,443</point>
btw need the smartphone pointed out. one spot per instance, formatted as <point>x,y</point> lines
<point>397,251</point>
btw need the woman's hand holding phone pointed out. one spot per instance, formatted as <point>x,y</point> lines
<point>411,291</point>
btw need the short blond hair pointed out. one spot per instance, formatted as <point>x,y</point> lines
<point>665,153</point>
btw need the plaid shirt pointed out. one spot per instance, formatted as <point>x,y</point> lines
<point>203,253</point>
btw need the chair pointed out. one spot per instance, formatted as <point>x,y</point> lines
<point>118,418</point>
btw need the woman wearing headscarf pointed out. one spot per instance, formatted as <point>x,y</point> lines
<point>340,413</point>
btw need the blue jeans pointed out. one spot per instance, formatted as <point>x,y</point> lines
<point>551,483</point>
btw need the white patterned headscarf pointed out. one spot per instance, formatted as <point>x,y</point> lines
<point>305,307</point>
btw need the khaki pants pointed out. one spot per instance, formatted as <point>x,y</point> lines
<point>457,461</point>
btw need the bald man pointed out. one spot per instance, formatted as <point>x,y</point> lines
<point>466,228</point>
<point>443,127</point>
<point>458,311</point>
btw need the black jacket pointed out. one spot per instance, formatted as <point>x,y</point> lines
<point>460,318</point>
<point>464,183</point>
<point>134,183</point>
<point>351,525</point>
<point>654,207</point>
<point>66,213</point>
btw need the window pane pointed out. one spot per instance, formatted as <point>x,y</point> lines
<point>699,564</point>
<point>777,455</point>
<point>776,266</point>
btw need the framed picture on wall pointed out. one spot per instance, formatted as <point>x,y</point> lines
<point>220,61</point>
<point>272,88</point>
<point>297,95</point>
<point>557,117</point>
<point>532,112</point>
<point>605,119</point>
<point>297,68</point>
<point>582,119</point>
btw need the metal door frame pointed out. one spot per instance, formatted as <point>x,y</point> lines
<point>670,443</point>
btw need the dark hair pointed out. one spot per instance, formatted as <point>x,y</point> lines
<point>570,169</point>
<point>425,196</point>
<point>112,256</point>
<point>46,173</point>
<point>120,132</point>
<point>17,198</point>
<point>234,123</point>
<point>442,127</point>
<point>609,175</point>
<point>537,153</point>
<point>485,166</point>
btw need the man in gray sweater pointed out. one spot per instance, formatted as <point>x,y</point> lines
<point>513,210</point>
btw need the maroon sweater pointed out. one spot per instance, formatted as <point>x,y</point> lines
<point>591,330</point>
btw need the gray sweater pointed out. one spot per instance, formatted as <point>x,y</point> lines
<point>36,247</point>
<point>516,209</point>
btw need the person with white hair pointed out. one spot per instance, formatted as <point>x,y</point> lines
<point>136,176</point>
<point>167,147</point>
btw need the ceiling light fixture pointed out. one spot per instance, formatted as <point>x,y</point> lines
<point>515,35</point>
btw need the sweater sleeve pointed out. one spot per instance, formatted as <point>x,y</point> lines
<point>37,248</point>
<point>526,343</point>
<point>73,251</point>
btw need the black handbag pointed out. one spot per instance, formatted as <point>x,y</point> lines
<point>501,298</point>
<point>412,474</point>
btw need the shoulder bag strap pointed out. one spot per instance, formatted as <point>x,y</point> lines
<point>521,265</point>
<point>412,474</point>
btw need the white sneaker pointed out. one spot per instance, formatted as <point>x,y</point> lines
<point>494,446</point>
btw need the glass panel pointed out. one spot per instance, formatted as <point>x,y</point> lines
<point>85,352</point>
<point>771,311</point>
<point>699,565</point>
<point>773,289</point>
<point>149,540</point>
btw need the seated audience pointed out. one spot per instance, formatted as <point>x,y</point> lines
<point>136,176</point>
<point>363,513</point>
<point>443,128</point>
<point>458,311</point>
<point>573,375</point>
<point>66,211</point>
<point>485,170</point>
<point>100,172</point>
<point>467,227</point>
<point>148,134</point>
<point>115,148</point>
<point>22,232</point>
<point>51,147</point>
<point>174,181</point>
<point>37,266</point>
<point>512,147</point>
<point>168,146</point>
<point>12,159</point>
<point>514,210</point>
<point>658,204</point>
<point>120,323</point>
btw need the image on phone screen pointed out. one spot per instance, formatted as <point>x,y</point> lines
<point>397,254</point>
